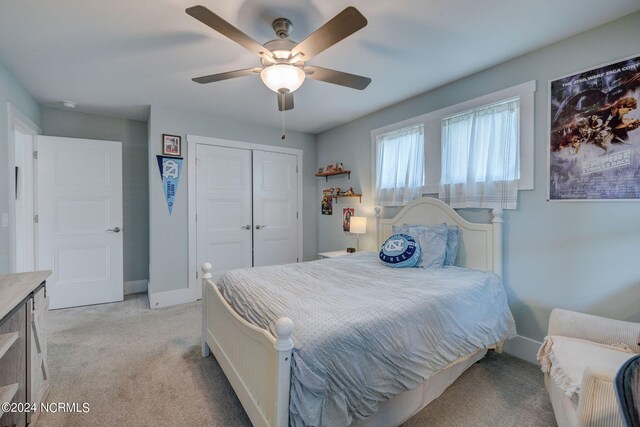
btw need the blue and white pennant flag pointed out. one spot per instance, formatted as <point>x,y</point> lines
<point>170,173</point>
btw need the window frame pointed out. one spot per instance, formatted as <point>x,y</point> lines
<point>432,123</point>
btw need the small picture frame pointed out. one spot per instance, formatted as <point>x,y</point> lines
<point>171,145</point>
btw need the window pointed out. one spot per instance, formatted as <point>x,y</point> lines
<point>482,141</point>
<point>480,156</point>
<point>400,166</point>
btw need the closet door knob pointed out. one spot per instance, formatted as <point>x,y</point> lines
<point>246,227</point>
<point>114,230</point>
<point>258,227</point>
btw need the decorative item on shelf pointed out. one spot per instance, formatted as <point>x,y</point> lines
<point>320,170</point>
<point>327,192</point>
<point>349,192</point>
<point>358,226</point>
<point>339,167</point>
<point>331,167</point>
<point>339,192</point>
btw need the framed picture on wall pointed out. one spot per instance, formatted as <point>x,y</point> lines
<point>594,133</point>
<point>347,213</point>
<point>171,145</point>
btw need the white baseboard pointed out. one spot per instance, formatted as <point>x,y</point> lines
<point>135,286</point>
<point>523,348</point>
<point>169,298</point>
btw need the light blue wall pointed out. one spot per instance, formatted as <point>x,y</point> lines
<point>581,255</point>
<point>10,91</point>
<point>135,176</point>
<point>168,234</point>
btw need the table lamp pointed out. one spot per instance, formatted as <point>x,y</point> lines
<point>358,225</point>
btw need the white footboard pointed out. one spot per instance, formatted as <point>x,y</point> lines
<point>257,364</point>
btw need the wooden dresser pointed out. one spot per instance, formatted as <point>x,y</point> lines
<point>23,344</point>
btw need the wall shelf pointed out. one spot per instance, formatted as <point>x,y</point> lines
<point>326,175</point>
<point>359,196</point>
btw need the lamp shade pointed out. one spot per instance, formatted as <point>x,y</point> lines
<point>358,225</point>
<point>282,77</point>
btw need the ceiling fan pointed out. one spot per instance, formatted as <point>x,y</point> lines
<point>284,60</point>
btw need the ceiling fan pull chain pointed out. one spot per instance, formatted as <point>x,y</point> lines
<point>282,136</point>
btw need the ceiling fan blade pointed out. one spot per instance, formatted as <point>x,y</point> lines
<point>336,77</point>
<point>285,102</point>
<point>340,26</point>
<point>212,20</point>
<point>225,76</point>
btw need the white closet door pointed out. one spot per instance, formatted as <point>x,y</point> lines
<point>275,203</point>
<point>223,207</point>
<point>80,220</point>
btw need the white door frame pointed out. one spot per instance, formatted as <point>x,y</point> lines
<point>15,118</point>
<point>194,269</point>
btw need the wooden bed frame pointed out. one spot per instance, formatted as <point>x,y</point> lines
<point>258,365</point>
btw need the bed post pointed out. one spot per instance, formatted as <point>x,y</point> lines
<point>284,345</point>
<point>378,236</point>
<point>497,240</point>
<point>206,275</point>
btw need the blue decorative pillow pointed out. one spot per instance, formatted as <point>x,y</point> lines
<point>432,240</point>
<point>400,251</point>
<point>453,244</point>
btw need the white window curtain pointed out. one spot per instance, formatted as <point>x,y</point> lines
<point>400,171</point>
<point>481,157</point>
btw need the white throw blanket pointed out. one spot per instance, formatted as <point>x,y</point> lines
<point>363,332</point>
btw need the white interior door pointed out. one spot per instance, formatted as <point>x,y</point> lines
<point>275,206</point>
<point>24,241</point>
<point>80,218</point>
<point>223,207</point>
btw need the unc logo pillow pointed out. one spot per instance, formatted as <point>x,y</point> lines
<point>400,251</point>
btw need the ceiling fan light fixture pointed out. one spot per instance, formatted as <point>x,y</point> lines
<point>282,77</point>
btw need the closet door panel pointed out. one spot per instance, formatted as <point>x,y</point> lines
<point>275,202</point>
<point>223,188</point>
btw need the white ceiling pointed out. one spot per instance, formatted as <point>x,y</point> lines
<point>117,57</point>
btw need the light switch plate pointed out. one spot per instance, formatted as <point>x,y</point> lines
<point>5,219</point>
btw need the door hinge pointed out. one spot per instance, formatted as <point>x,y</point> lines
<point>36,219</point>
<point>196,217</point>
<point>297,259</point>
<point>296,215</point>
<point>197,274</point>
<point>35,155</point>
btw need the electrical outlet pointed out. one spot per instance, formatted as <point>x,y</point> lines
<point>5,219</point>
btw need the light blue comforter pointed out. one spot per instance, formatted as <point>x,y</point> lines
<point>364,332</point>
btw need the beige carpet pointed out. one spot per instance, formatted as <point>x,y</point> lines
<point>138,367</point>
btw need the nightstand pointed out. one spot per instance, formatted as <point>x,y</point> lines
<point>332,254</point>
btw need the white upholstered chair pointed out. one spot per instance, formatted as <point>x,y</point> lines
<point>580,358</point>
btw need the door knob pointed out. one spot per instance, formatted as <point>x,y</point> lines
<point>114,230</point>
<point>258,227</point>
<point>246,227</point>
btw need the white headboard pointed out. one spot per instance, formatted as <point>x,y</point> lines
<point>480,244</point>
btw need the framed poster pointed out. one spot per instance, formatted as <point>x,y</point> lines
<point>594,144</point>
<point>347,213</point>
<point>327,206</point>
<point>170,145</point>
